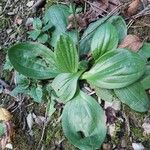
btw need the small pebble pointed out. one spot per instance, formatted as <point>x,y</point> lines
<point>9,31</point>
<point>106,146</point>
<point>30,3</point>
<point>137,146</point>
<point>11,13</point>
<point>9,146</point>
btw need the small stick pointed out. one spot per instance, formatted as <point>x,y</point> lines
<point>95,6</point>
<point>45,124</point>
<point>38,4</point>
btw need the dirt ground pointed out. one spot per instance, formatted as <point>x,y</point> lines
<point>10,33</point>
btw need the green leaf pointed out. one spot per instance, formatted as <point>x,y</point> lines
<point>51,108</point>
<point>66,55</point>
<point>83,122</point>
<point>34,34</point>
<point>134,96</point>
<point>33,60</point>
<point>144,52</point>
<point>116,21</point>
<point>104,40</point>
<point>58,16</point>
<point>145,80</point>
<point>47,26</point>
<point>37,23</point>
<point>65,86</point>
<point>19,90</point>
<point>2,129</point>
<point>116,69</point>
<point>36,93</point>
<point>119,23</point>
<point>105,94</point>
<point>83,65</point>
<point>22,83</point>
<point>85,42</point>
<point>43,38</point>
<point>7,65</point>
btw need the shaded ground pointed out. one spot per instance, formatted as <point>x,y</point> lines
<point>11,33</point>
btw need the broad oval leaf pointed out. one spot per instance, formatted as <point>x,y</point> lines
<point>66,55</point>
<point>57,15</point>
<point>116,69</point>
<point>134,96</point>
<point>145,80</point>
<point>104,39</point>
<point>85,42</point>
<point>65,86</point>
<point>33,60</point>
<point>117,21</point>
<point>84,122</point>
<point>144,52</point>
<point>105,94</point>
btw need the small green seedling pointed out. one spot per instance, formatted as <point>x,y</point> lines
<point>112,71</point>
<point>40,31</point>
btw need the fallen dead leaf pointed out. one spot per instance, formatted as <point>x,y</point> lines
<point>111,115</point>
<point>5,115</point>
<point>99,6</point>
<point>81,22</point>
<point>146,126</point>
<point>95,10</point>
<point>132,42</point>
<point>18,21</point>
<point>6,118</point>
<point>133,7</point>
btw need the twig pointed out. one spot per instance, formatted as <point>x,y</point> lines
<point>95,6</point>
<point>38,4</point>
<point>7,3</point>
<point>144,12</point>
<point>45,123</point>
<point>126,121</point>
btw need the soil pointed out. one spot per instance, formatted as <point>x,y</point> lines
<point>54,139</point>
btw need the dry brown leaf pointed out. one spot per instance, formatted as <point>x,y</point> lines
<point>5,115</point>
<point>8,136</point>
<point>99,6</point>
<point>133,7</point>
<point>146,126</point>
<point>18,21</point>
<point>132,42</point>
<point>81,22</point>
